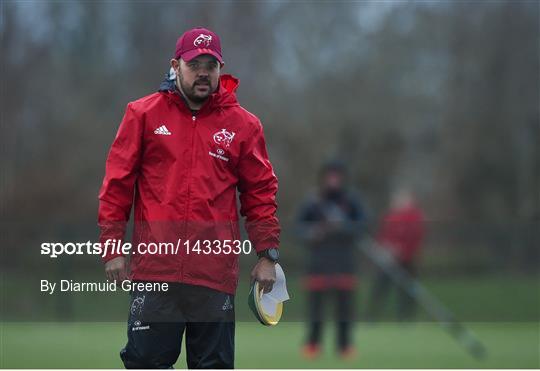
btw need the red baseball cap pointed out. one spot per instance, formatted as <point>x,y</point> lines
<point>198,41</point>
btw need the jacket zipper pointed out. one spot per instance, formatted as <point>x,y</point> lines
<point>186,219</point>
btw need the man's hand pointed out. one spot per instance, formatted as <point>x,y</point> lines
<point>264,272</point>
<point>116,269</point>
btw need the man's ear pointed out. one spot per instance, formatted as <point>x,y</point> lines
<point>175,63</point>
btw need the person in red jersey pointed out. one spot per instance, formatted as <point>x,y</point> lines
<point>401,233</point>
<point>180,157</point>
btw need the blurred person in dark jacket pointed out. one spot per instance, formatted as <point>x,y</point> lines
<point>330,223</point>
<point>401,233</point>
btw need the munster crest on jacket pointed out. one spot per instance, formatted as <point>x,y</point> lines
<point>224,137</point>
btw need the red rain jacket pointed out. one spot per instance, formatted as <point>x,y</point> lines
<point>182,173</point>
<point>402,231</point>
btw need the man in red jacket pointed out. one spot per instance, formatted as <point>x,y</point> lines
<point>179,156</point>
<point>401,233</point>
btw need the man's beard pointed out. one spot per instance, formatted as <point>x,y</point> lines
<point>189,90</point>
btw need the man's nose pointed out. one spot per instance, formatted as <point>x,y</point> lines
<point>202,72</point>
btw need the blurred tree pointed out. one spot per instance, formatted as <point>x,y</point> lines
<point>440,96</point>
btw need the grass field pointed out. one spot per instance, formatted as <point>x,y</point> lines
<point>472,299</point>
<point>502,310</point>
<point>386,345</point>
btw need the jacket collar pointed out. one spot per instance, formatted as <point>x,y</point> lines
<point>224,96</point>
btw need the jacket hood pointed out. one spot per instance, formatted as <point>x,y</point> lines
<point>225,95</point>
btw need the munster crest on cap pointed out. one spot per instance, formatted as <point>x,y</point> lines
<point>198,41</point>
<point>202,40</point>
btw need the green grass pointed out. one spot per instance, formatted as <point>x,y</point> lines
<point>423,345</point>
<point>472,299</point>
<point>503,311</point>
